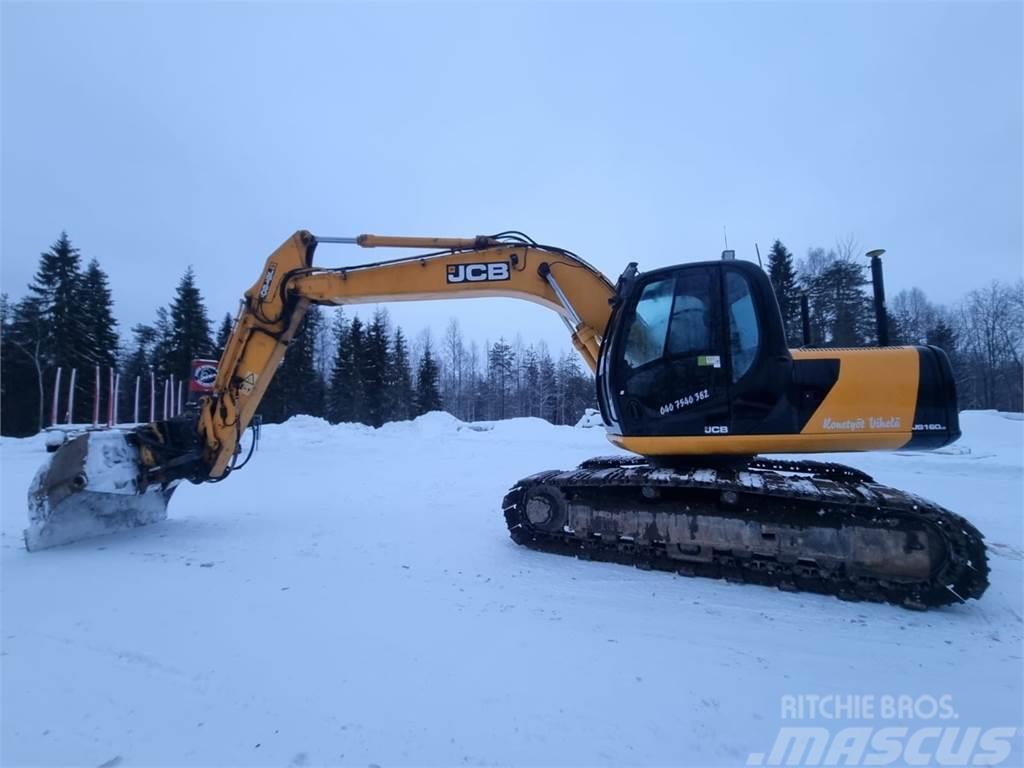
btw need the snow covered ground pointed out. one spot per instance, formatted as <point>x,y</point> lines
<point>352,597</point>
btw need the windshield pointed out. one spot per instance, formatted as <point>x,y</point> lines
<point>646,340</point>
<point>672,318</point>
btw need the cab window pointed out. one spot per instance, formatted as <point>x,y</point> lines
<point>674,360</point>
<point>690,332</point>
<point>646,340</point>
<point>744,335</point>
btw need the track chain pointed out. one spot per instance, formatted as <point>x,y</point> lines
<point>800,493</point>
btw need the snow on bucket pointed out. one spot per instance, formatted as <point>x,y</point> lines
<point>89,487</point>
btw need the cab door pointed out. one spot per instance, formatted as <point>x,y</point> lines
<point>669,374</point>
<point>759,363</point>
<point>697,350</point>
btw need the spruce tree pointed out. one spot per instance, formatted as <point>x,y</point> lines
<point>190,328</point>
<point>575,389</point>
<point>965,370</point>
<point>57,288</point>
<point>428,396</point>
<point>373,365</point>
<point>548,386</point>
<point>345,395</point>
<point>316,392</point>
<point>357,351</point>
<point>787,292</point>
<point>401,396</point>
<point>500,364</point>
<point>841,311</point>
<point>943,337</point>
<point>852,321</point>
<point>223,334</point>
<point>11,363</point>
<point>23,360</point>
<point>531,383</point>
<point>100,324</point>
<point>338,406</point>
<point>163,344</point>
<point>139,364</point>
<point>296,387</point>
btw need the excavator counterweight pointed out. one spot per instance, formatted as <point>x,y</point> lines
<point>693,375</point>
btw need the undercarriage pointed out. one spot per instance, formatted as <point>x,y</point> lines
<point>798,525</point>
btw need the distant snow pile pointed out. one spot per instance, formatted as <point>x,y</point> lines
<point>434,423</point>
<point>591,418</point>
<point>303,430</point>
<point>307,430</point>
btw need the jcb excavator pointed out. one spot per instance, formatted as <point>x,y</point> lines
<point>693,376</point>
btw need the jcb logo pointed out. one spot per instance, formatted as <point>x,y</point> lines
<point>478,273</point>
<point>716,430</point>
<point>267,280</point>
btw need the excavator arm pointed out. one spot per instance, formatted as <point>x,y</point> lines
<point>103,481</point>
<point>509,265</point>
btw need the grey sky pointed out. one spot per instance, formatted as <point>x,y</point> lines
<point>163,135</point>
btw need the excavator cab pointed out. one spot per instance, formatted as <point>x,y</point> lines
<point>695,362</point>
<point>696,349</point>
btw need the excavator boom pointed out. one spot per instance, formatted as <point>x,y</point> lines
<point>272,309</point>
<point>73,496</point>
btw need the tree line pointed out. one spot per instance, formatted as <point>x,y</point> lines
<point>345,368</point>
<point>341,368</point>
<point>983,333</point>
<point>367,372</point>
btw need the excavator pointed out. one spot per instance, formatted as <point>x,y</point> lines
<point>695,382</point>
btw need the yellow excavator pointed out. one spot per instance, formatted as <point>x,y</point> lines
<point>694,378</point>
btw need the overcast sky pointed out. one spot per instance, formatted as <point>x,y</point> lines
<point>163,135</point>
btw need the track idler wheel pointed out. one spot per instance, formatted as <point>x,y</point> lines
<point>545,510</point>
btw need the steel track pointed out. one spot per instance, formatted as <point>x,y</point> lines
<point>802,496</point>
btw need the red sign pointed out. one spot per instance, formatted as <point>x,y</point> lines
<point>204,373</point>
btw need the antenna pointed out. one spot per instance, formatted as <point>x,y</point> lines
<point>758,249</point>
<point>727,255</point>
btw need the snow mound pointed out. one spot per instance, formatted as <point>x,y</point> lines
<point>590,418</point>
<point>309,430</point>
<point>433,423</point>
<point>992,434</point>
